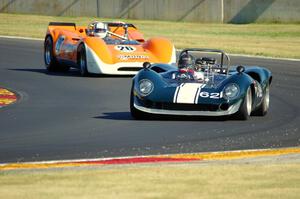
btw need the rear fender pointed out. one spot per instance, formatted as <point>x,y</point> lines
<point>133,33</point>
<point>136,35</point>
<point>263,78</point>
<point>55,28</point>
<point>262,75</point>
<point>54,34</point>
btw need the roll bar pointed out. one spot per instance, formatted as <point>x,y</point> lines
<point>223,54</point>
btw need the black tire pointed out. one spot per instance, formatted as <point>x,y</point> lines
<point>135,113</point>
<point>82,64</point>
<point>51,63</point>
<point>245,109</point>
<point>49,59</point>
<point>264,106</point>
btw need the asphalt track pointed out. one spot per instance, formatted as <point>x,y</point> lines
<point>65,116</point>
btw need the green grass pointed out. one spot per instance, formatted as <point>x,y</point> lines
<point>275,40</point>
<point>163,181</point>
<point>166,181</point>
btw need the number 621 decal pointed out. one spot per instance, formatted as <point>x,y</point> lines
<point>211,95</point>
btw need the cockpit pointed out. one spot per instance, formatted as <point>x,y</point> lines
<point>201,69</point>
<point>115,33</point>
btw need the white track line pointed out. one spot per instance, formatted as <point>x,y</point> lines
<point>178,50</point>
<point>264,57</point>
<point>24,38</point>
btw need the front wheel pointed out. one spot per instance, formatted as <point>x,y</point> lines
<point>82,61</point>
<point>135,113</point>
<point>246,106</point>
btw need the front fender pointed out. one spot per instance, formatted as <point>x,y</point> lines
<point>100,48</point>
<point>161,92</point>
<point>243,80</point>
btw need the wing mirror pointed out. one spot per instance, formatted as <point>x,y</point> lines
<point>146,65</point>
<point>240,69</point>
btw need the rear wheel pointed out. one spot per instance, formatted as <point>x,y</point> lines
<point>82,61</point>
<point>246,106</point>
<point>264,106</point>
<point>50,61</point>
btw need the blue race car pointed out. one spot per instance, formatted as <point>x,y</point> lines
<point>203,84</point>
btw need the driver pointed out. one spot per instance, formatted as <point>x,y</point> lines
<point>186,63</point>
<point>98,29</point>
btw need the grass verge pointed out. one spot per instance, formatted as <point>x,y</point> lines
<point>275,180</point>
<point>275,40</point>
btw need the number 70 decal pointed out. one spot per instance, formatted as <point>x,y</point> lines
<point>211,95</point>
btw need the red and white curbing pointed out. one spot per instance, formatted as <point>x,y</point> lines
<point>7,97</point>
<point>174,158</point>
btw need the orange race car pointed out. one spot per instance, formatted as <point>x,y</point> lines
<point>114,48</point>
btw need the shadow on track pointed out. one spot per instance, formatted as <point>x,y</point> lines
<point>70,73</point>
<point>127,116</point>
<point>115,116</point>
<point>73,73</point>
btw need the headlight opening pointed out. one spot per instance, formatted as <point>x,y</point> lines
<point>231,91</point>
<point>145,87</point>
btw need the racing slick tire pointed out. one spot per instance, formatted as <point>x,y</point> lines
<point>245,109</point>
<point>135,113</point>
<point>82,61</point>
<point>264,106</point>
<point>50,61</point>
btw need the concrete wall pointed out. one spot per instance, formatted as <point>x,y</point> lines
<point>247,11</point>
<point>176,10</point>
<point>216,11</point>
<point>50,7</point>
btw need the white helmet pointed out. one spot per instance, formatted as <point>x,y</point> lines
<point>98,29</point>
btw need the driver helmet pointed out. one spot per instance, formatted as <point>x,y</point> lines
<point>186,61</point>
<point>98,29</point>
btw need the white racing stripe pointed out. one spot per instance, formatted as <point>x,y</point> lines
<point>175,94</point>
<point>187,93</point>
<point>198,93</point>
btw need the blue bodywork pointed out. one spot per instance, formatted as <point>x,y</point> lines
<point>207,99</point>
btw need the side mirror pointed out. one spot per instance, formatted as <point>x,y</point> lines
<point>146,65</point>
<point>240,69</point>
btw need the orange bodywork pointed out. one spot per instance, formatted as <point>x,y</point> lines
<point>67,38</point>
